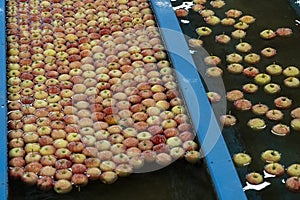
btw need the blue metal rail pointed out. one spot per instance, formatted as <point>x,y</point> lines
<point>3,109</point>
<point>223,173</point>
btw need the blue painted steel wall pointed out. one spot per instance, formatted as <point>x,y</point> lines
<point>222,170</point>
<point>3,110</point>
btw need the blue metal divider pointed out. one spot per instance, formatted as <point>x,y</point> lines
<point>224,176</point>
<point>3,109</point>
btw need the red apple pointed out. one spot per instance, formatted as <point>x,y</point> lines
<point>16,172</point>
<point>45,183</point>
<point>63,174</point>
<point>30,178</point>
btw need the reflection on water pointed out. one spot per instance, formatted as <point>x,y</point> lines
<point>256,187</point>
<point>267,175</point>
<point>184,21</point>
<point>184,5</point>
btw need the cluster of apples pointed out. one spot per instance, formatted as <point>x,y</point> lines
<point>245,63</point>
<point>91,93</point>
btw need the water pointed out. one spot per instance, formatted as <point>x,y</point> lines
<point>239,138</point>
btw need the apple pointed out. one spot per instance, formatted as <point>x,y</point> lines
<point>107,165</point>
<point>62,153</point>
<point>75,146</point>
<point>73,137</point>
<point>103,125</point>
<point>63,163</point>
<point>163,159</point>
<point>47,171</point>
<point>33,167</point>
<point>90,151</point>
<point>141,126</point>
<point>181,118</point>
<point>44,131</point>
<point>140,116</point>
<point>14,105</point>
<point>115,138</point>
<point>16,142</point>
<point>120,158</point>
<point>77,158</point>
<point>62,186</point>
<point>177,152</point>
<point>32,147</point>
<point>154,120</point>
<point>114,129</point>
<point>30,178</point>
<point>12,134</point>
<point>155,129</point>
<point>159,96</point>
<point>161,148</point>
<point>144,135</point>
<point>30,119</point>
<point>78,168</point>
<point>87,131</point>
<point>184,127</point>
<point>17,124</point>
<point>57,124</point>
<point>137,108</point>
<point>92,162</point>
<point>148,102</point>
<point>79,180</point>
<point>45,183</point>
<point>133,151</point>
<point>129,132</point>
<point>58,134</point>
<point>149,155</point>
<point>145,145</point>
<point>192,156</point>
<point>124,170</point>
<point>118,148</point>
<point>93,173</point>
<point>108,177</point>
<point>169,123</point>
<point>31,157</point>
<point>42,111</point>
<point>105,155</point>
<point>84,113</point>
<point>130,142</point>
<point>17,162</point>
<point>162,104</point>
<point>45,140</point>
<point>174,142</point>
<point>16,172</point>
<point>171,132</point>
<point>49,160</point>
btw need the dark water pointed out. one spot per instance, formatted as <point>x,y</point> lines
<point>240,138</point>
